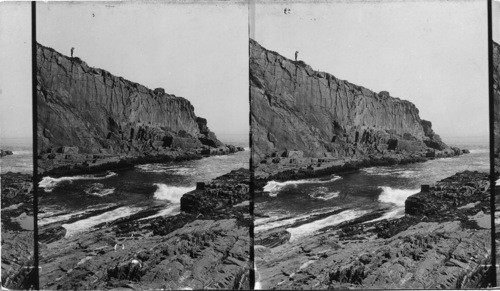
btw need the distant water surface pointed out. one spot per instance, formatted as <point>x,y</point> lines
<point>22,159</point>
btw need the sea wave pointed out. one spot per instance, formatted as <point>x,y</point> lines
<point>49,183</point>
<point>81,225</point>
<point>274,187</point>
<point>171,193</point>
<point>310,228</point>
<point>395,196</point>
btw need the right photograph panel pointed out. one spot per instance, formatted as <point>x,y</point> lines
<point>370,145</point>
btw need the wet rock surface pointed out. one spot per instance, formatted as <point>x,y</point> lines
<point>197,248</point>
<point>90,120</point>
<point>17,238</point>
<point>449,248</point>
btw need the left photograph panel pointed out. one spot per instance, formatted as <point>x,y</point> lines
<point>143,151</point>
<point>16,151</point>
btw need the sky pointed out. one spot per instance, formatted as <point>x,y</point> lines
<point>15,79</point>
<point>196,51</point>
<point>432,53</point>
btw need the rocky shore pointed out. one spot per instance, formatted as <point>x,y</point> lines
<point>292,165</point>
<point>443,242</point>
<point>207,245</point>
<point>67,161</point>
<point>17,231</point>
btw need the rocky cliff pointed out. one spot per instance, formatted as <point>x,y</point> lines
<point>496,92</point>
<point>294,107</point>
<point>84,113</point>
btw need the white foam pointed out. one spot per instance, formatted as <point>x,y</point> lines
<point>81,225</point>
<point>274,187</point>
<point>310,228</point>
<point>322,194</point>
<point>49,183</point>
<point>395,196</point>
<point>171,193</point>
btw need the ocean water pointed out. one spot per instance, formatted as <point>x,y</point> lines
<point>383,189</point>
<point>156,188</point>
<point>22,159</point>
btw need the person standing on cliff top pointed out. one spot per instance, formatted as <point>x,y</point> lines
<point>296,55</point>
<point>72,49</point>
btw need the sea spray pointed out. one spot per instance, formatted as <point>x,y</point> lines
<point>171,193</point>
<point>395,196</point>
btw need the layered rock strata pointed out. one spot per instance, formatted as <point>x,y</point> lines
<point>90,119</point>
<point>199,248</point>
<point>17,242</point>
<point>445,248</point>
<point>301,117</point>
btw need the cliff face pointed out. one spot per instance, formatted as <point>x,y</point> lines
<point>294,107</point>
<point>496,92</point>
<point>89,108</point>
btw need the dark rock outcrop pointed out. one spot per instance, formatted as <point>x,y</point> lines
<point>224,191</point>
<point>294,108</point>
<point>88,117</point>
<point>17,241</point>
<point>440,197</point>
<point>4,153</point>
